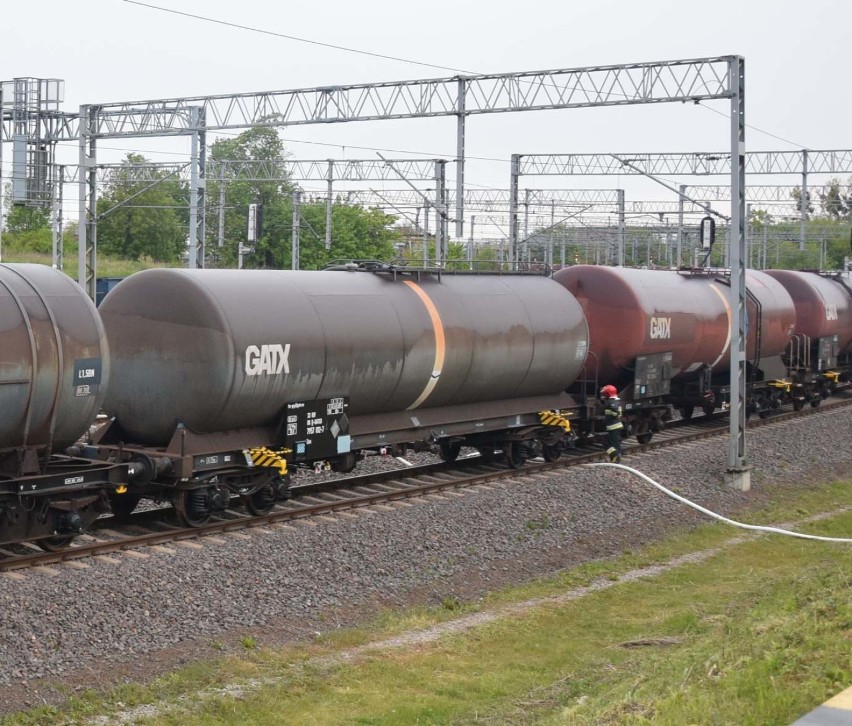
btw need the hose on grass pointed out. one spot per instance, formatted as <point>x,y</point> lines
<point>726,520</point>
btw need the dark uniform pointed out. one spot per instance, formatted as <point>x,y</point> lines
<point>614,426</point>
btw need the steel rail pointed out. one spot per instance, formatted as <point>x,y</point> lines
<point>385,487</point>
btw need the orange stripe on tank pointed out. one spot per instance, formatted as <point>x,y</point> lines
<point>727,305</point>
<point>440,343</point>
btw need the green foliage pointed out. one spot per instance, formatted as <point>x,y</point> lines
<point>27,219</point>
<point>836,202</point>
<point>27,229</point>
<point>138,217</point>
<point>356,233</point>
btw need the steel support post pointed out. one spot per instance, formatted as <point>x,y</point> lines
<point>56,222</point>
<point>196,245</point>
<point>87,180</point>
<point>460,123</point>
<point>2,208</point>
<point>221,237</point>
<point>804,201</point>
<point>425,236</point>
<point>749,242</point>
<point>441,226</point>
<point>527,214</point>
<point>621,228</point>
<point>328,204</point>
<point>513,207</point>
<point>470,254</point>
<point>548,254</point>
<point>680,203</point>
<point>738,475</point>
<point>297,224</point>
<point>202,190</point>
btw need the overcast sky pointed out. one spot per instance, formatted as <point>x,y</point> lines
<point>797,69</point>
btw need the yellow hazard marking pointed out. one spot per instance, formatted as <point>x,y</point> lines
<point>783,385</point>
<point>440,343</point>
<point>831,375</point>
<point>263,456</point>
<point>554,418</point>
<point>121,489</point>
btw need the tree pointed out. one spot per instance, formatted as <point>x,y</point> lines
<point>835,202</point>
<point>797,195</point>
<point>143,215</point>
<point>356,232</point>
<point>27,228</point>
<point>256,144</point>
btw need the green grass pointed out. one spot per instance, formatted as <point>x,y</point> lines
<point>107,266</point>
<point>758,634</point>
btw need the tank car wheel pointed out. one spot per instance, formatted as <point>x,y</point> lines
<point>450,451</point>
<point>189,512</point>
<point>798,404</point>
<point>708,410</point>
<point>55,544</point>
<point>686,412</point>
<point>122,505</point>
<point>551,452</point>
<point>345,463</point>
<point>512,453</point>
<point>261,501</point>
<point>815,402</point>
<point>643,434</point>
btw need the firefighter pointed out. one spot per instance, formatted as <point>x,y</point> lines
<point>612,418</point>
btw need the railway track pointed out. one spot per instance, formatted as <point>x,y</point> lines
<point>398,487</point>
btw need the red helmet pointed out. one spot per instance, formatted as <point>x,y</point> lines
<point>609,391</point>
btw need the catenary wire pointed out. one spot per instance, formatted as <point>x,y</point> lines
<point>384,56</point>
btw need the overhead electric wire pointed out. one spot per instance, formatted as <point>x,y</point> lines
<point>294,37</point>
<point>383,56</point>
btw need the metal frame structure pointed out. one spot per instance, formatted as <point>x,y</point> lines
<point>717,163</point>
<point>457,96</point>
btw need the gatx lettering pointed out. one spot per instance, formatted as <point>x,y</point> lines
<point>269,359</point>
<point>661,328</point>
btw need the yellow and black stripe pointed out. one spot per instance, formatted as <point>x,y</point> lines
<point>262,456</point>
<point>554,418</point>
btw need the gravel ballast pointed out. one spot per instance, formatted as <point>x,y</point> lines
<point>85,625</point>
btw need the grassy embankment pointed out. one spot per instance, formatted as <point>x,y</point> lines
<point>107,266</point>
<point>759,632</point>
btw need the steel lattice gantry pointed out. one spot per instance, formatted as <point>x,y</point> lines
<point>459,96</point>
<point>716,163</point>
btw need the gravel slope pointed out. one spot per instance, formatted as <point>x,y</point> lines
<point>117,616</point>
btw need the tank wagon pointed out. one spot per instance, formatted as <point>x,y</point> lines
<point>662,337</point>
<point>820,352</point>
<point>54,369</point>
<point>223,379</point>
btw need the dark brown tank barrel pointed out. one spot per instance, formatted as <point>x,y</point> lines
<point>54,362</point>
<point>634,312</point>
<point>823,304</point>
<point>225,349</point>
